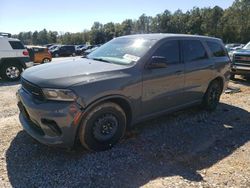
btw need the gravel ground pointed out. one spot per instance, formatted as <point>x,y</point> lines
<point>190,148</point>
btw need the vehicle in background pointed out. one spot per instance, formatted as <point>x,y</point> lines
<point>240,62</point>
<point>127,80</point>
<point>14,58</point>
<point>49,45</point>
<point>238,47</point>
<point>39,54</point>
<point>53,47</point>
<point>78,49</point>
<point>81,50</point>
<point>87,52</point>
<point>65,50</point>
<point>233,46</point>
<point>80,46</point>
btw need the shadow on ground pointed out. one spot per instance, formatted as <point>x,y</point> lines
<point>8,83</point>
<point>241,80</point>
<point>177,144</point>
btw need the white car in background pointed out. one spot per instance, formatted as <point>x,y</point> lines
<point>14,57</point>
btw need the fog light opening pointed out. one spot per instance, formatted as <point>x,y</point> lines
<point>52,125</point>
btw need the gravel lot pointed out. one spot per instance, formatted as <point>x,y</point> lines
<point>190,148</point>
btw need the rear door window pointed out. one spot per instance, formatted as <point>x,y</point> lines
<point>216,49</point>
<point>193,50</point>
<point>16,45</point>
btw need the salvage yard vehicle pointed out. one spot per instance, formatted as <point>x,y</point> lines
<point>81,50</point>
<point>13,57</point>
<point>234,46</point>
<point>241,62</point>
<point>65,50</point>
<point>127,80</point>
<point>39,54</point>
<point>87,52</point>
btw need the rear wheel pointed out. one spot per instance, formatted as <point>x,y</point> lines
<point>212,97</point>
<point>103,127</point>
<point>46,60</point>
<point>11,71</point>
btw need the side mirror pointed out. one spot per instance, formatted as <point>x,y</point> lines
<point>157,62</point>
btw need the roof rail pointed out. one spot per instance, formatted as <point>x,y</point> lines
<point>5,34</point>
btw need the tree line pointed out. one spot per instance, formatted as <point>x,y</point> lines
<point>231,25</point>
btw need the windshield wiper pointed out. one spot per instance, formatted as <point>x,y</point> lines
<point>101,59</point>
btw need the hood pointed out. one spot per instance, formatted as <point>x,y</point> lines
<point>242,52</point>
<point>66,73</point>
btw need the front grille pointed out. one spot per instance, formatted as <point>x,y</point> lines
<point>34,90</point>
<point>242,59</point>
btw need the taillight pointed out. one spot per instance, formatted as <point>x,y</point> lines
<point>26,53</point>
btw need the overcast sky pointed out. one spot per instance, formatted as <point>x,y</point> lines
<point>77,15</point>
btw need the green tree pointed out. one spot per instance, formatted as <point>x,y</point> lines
<point>35,38</point>
<point>109,31</point>
<point>127,27</point>
<point>97,35</point>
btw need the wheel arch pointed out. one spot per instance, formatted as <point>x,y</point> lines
<point>120,100</point>
<point>220,80</point>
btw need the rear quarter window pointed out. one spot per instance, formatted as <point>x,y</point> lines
<point>216,49</point>
<point>16,45</point>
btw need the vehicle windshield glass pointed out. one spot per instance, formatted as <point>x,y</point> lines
<point>124,51</point>
<point>247,46</point>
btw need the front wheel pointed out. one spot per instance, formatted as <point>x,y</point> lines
<point>11,71</point>
<point>102,127</point>
<point>212,97</point>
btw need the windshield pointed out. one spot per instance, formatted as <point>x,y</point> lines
<point>123,51</point>
<point>247,46</point>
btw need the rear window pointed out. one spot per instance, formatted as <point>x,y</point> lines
<point>16,45</point>
<point>216,49</point>
<point>193,50</point>
<point>37,50</point>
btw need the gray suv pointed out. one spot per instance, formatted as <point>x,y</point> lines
<point>127,80</point>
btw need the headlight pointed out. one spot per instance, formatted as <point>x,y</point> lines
<point>59,94</point>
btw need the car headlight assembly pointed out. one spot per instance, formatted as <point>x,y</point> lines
<point>59,94</point>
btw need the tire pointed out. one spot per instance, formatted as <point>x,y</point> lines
<point>56,55</point>
<point>232,77</point>
<point>74,54</point>
<point>11,71</point>
<point>212,96</point>
<point>46,60</point>
<point>102,127</point>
